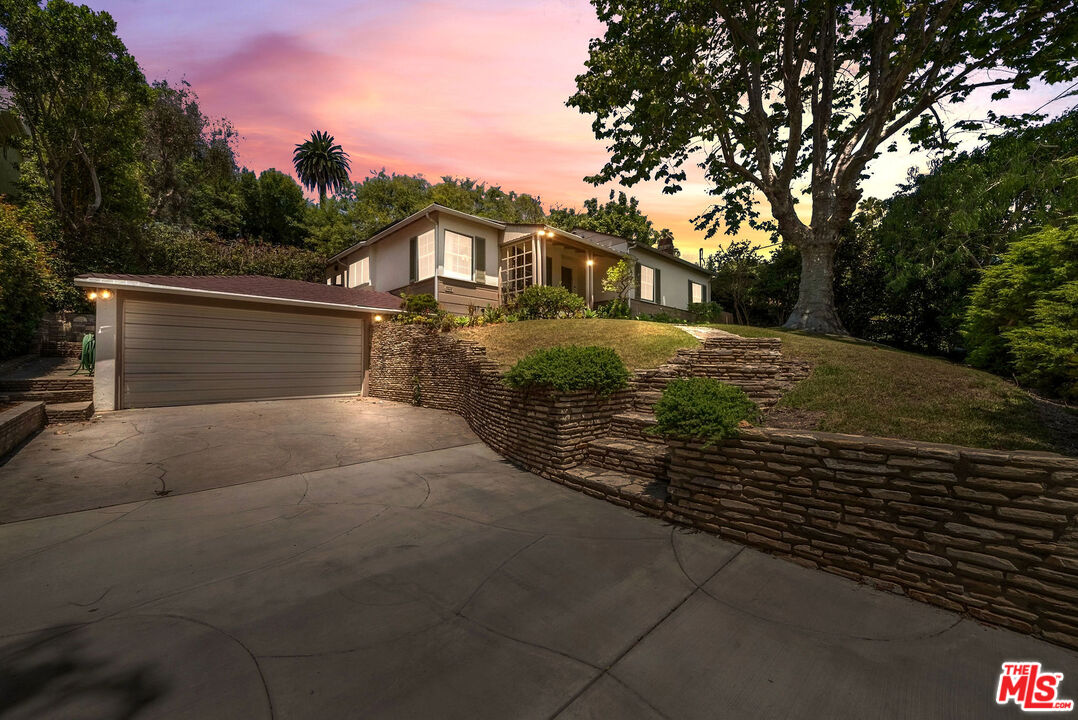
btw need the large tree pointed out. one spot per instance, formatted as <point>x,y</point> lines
<point>775,99</point>
<point>321,164</point>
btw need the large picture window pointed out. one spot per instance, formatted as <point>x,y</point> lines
<point>647,283</point>
<point>360,272</point>
<point>697,293</point>
<point>425,255</point>
<point>458,256</point>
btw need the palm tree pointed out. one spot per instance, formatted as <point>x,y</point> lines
<point>321,164</point>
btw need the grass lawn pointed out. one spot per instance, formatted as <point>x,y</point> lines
<point>640,344</point>
<point>868,389</point>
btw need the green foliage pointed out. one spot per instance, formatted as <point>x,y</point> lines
<point>570,367</point>
<point>709,312</point>
<point>24,283</point>
<point>177,251</point>
<point>660,317</point>
<point>544,302</point>
<point>419,304</point>
<point>615,309</point>
<point>621,218</point>
<point>1023,315</point>
<point>274,209</point>
<point>702,409</point>
<point>81,94</point>
<point>620,279</point>
<point>321,164</point>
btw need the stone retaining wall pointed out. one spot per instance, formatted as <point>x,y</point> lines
<point>18,423</point>
<point>546,432</point>
<point>989,533</point>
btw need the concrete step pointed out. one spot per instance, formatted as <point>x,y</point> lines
<point>69,412</point>
<point>624,489</point>
<point>46,383</point>
<point>633,424</point>
<point>646,459</point>
<point>56,396</point>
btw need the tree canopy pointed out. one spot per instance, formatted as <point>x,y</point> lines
<point>620,217</point>
<point>773,100</point>
<point>321,164</point>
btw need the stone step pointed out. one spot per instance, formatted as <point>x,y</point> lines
<point>56,396</point>
<point>644,400</point>
<point>634,491</point>
<point>646,459</point>
<point>69,412</point>
<point>45,384</point>
<point>633,424</point>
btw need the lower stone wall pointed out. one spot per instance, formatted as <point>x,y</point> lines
<point>992,534</point>
<point>546,432</point>
<point>18,423</point>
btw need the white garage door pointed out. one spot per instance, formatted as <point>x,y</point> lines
<point>180,354</point>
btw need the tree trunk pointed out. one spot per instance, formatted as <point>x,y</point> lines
<point>815,308</point>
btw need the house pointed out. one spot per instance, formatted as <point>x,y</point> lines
<point>468,261</point>
<point>664,282</point>
<point>167,340</point>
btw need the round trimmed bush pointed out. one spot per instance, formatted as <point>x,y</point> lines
<point>570,367</point>
<point>545,302</point>
<point>702,409</point>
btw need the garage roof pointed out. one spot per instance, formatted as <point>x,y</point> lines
<point>249,287</point>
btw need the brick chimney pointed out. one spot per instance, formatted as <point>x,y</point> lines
<point>666,244</point>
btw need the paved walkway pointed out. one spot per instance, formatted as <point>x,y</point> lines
<point>448,584</point>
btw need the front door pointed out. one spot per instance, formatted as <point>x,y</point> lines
<point>567,278</point>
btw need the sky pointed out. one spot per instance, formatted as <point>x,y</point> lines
<point>472,88</point>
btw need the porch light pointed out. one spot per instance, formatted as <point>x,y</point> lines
<point>105,294</point>
<point>92,295</point>
<point>378,318</point>
<point>590,263</point>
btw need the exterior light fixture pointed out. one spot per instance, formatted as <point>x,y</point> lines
<point>378,318</point>
<point>590,263</point>
<point>105,294</point>
<point>92,295</point>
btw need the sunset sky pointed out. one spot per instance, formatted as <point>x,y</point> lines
<point>467,88</point>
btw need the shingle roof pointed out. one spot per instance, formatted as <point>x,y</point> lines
<point>254,286</point>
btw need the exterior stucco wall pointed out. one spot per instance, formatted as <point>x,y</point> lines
<point>673,280</point>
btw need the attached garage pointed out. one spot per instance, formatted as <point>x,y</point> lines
<point>193,340</point>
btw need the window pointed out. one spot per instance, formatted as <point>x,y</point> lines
<point>697,293</point>
<point>516,269</point>
<point>458,256</point>
<point>425,246</point>
<point>360,272</point>
<point>647,283</point>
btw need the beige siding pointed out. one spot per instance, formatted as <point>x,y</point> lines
<point>456,296</point>
<point>178,353</point>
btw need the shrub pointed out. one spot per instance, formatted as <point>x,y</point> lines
<point>618,308</point>
<point>25,283</point>
<point>1022,317</point>
<point>419,304</point>
<point>702,409</point>
<point>570,367</point>
<point>178,251</point>
<point>709,312</point>
<point>660,317</point>
<point>543,302</point>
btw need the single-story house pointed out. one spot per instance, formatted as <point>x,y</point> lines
<point>664,281</point>
<point>468,261</point>
<point>165,340</point>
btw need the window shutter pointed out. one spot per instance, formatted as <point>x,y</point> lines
<point>690,292</point>
<point>636,270</point>
<point>547,280</point>
<point>479,259</point>
<point>703,292</point>
<point>413,259</point>
<point>658,288</point>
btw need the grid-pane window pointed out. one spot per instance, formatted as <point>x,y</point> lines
<point>647,283</point>
<point>360,272</point>
<point>697,293</point>
<point>516,269</point>
<point>458,256</point>
<point>425,255</point>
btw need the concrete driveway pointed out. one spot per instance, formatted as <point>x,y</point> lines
<point>140,454</point>
<point>447,584</point>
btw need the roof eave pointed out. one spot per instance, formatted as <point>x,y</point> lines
<point>136,285</point>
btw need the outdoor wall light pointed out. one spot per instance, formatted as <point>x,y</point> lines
<point>92,295</point>
<point>105,294</point>
<point>590,263</point>
<point>378,318</point>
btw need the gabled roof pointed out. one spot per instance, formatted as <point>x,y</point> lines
<point>250,288</point>
<point>433,207</point>
<point>648,249</point>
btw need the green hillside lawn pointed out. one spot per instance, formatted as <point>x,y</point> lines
<point>639,344</point>
<point>867,389</point>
